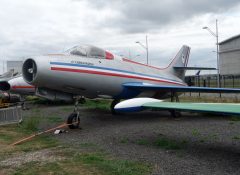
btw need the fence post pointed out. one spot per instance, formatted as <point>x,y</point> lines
<point>233,80</point>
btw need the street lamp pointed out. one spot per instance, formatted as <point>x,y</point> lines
<point>216,36</point>
<point>144,46</point>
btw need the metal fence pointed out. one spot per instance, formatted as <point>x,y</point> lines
<point>10,115</point>
<point>226,81</point>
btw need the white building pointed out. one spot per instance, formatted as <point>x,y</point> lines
<point>229,56</point>
<point>15,65</point>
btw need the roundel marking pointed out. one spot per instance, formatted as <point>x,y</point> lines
<point>183,58</point>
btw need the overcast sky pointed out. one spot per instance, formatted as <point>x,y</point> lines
<point>35,27</point>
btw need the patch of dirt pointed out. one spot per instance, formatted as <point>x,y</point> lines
<point>46,155</point>
<point>2,172</point>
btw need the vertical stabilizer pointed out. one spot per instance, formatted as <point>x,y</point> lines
<point>180,61</point>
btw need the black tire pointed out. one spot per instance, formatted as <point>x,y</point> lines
<point>82,101</point>
<point>73,118</point>
<point>175,114</point>
<point>113,104</point>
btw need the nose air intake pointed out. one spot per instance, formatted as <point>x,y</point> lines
<point>4,86</point>
<point>29,70</point>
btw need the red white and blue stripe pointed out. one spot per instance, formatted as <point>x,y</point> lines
<point>106,71</point>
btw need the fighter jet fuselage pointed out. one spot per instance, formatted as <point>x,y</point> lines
<point>94,73</point>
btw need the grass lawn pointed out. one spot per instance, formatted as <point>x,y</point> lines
<point>45,155</point>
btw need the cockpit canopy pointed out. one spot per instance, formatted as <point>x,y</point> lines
<point>90,51</point>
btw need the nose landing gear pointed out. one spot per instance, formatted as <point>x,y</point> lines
<point>73,120</point>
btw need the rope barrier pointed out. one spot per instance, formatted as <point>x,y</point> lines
<point>40,133</point>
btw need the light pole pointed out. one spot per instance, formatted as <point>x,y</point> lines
<point>216,36</point>
<point>144,46</point>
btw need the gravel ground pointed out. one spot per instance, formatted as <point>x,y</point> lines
<point>211,143</point>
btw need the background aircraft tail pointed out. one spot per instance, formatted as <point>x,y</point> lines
<point>179,63</point>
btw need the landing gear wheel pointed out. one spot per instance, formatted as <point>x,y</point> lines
<point>113,104</point>
<point>73,120</point>
<point>175,114</point>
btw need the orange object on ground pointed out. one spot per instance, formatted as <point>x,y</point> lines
<point>40,133</point>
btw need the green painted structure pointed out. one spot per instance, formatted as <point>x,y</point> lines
<point>222,108</point>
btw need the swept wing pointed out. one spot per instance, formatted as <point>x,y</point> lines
<point>155,87</point>
<point>139,104</point>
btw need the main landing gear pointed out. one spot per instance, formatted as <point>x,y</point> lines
<point>113,104</point>
<point>23,103</point>
<point>73,120</point>
<point>175,98</point>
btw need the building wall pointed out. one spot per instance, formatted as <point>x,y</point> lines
<point>16,65</point>
<point>229,57</point>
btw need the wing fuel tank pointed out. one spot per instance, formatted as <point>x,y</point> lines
<point>134,104</point>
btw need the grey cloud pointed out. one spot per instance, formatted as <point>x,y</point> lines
<point>141,16</point>
<point>33,28</point>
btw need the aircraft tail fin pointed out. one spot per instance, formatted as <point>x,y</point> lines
<point>180,60</point>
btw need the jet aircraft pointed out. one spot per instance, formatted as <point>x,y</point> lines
<point>91,72</point>
<point>16,85</point>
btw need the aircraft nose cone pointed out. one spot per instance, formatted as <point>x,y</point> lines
<point>30,70</point>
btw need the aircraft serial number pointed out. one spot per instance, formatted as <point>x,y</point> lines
<point>80,62</point>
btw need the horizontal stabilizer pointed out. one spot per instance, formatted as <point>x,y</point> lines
<point>194,68</point>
